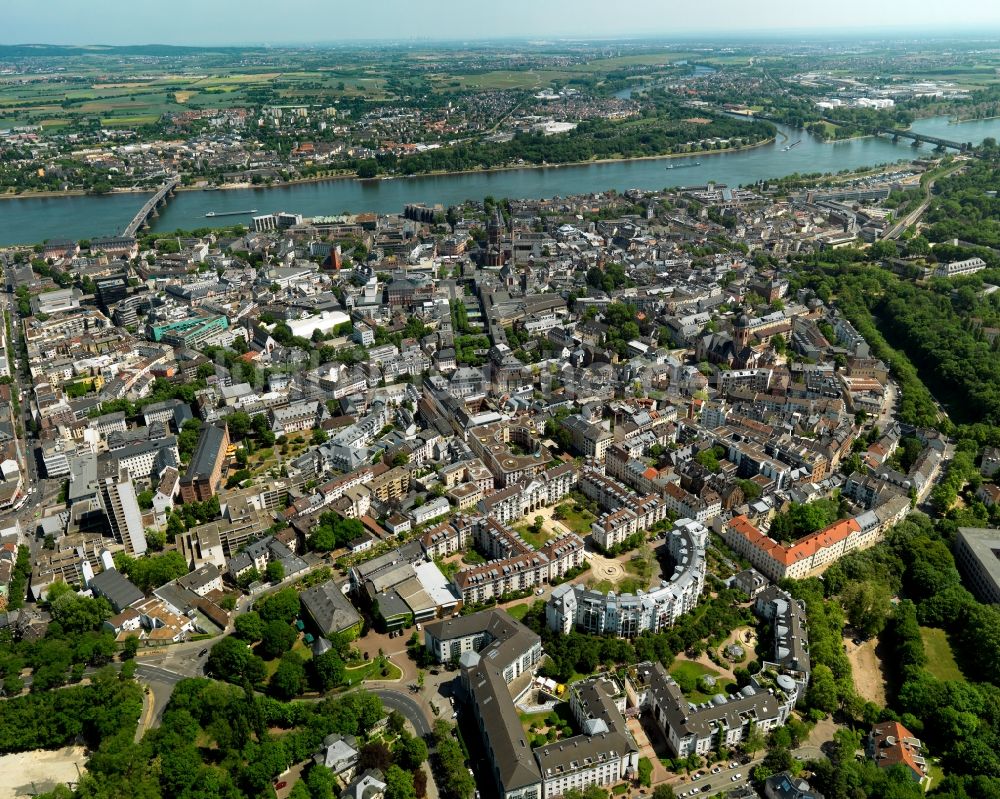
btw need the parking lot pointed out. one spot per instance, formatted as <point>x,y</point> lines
<point>713,779</point>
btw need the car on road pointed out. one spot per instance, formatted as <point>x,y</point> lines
<point>706,788</point>
<point>279,785</point>
<point>203,652</point>
<point>736,777</point>
<point>420,627</point>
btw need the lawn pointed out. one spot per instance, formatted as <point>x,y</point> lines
<point>628,585</point>
<point>575,518</point>
<point>559,720</point>
<point>537,540</point>
<point>299,647</point>
<point>687,674</point>
<point>641,564</point>
<point>940,659</point>
<point>369,671</point>
<point>935,773</point>
<point>519,611</point>
<point>691,670</point>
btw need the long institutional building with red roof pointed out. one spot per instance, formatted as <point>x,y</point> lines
<point>816,551</point>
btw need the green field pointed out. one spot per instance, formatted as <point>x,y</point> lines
<point>506,79</point>
<point>519,611</point>
<point>940,659</point>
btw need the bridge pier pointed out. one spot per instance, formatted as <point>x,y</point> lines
<point>149,210</point>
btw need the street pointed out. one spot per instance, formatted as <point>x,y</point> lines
<point>405,705</point>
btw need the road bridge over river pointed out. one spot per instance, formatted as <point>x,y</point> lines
<point>141,219</point>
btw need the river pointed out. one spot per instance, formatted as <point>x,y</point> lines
<point>34,219</point>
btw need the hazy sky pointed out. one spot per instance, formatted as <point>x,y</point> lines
<point>197,22</point>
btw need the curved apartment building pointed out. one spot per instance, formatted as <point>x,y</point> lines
<point>628,615</point>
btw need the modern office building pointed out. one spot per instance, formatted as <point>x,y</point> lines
<point>190,332</point>
<point>111,290</point>
<point>124,515</point>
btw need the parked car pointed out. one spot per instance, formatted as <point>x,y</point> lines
<point>716,769</point>
<point>737,777</point>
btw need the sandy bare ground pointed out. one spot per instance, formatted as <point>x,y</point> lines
<point>30,773</point>
<point>869,679</point>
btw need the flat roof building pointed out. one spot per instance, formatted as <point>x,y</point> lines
<point>977,554</point>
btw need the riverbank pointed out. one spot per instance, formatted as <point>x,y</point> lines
<point>79,217</point>
<point>36,195</point>
<point>483,171</point>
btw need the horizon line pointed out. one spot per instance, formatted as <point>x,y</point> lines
<point>741,34</point>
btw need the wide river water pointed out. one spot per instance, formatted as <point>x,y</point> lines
<point>35,219</point>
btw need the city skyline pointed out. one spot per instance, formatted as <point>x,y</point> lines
<point>189,23</point>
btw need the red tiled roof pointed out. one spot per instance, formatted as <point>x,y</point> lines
<point>896,745</point>
<point>803,548</point>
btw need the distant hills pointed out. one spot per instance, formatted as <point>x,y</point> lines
<point>8,51</point>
